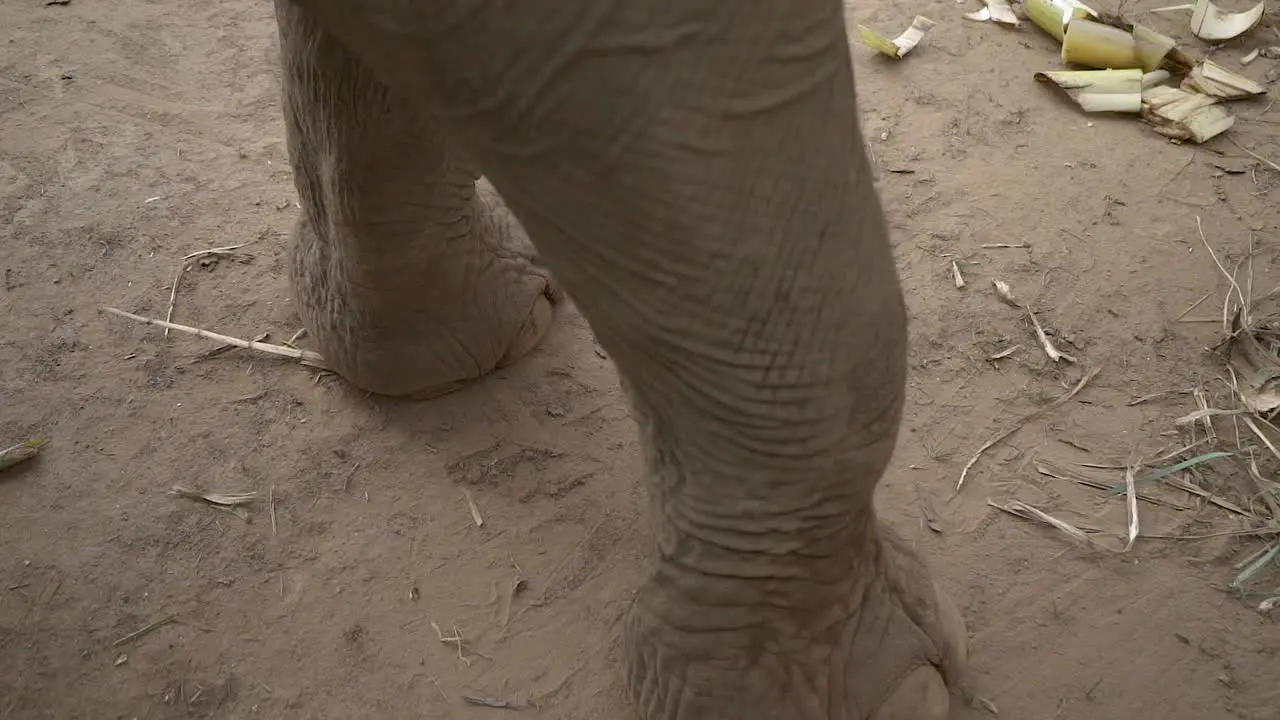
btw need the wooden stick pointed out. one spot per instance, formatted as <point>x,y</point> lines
<point>306,356</point>
<point>1193,306</point>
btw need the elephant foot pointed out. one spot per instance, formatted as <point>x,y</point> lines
<point>893,647</point>
<point>526,340</point>
<point>936,677</point>
<point>431,315</point>
<point>927,689</point>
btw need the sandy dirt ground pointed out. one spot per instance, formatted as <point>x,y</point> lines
<point>133,133</point>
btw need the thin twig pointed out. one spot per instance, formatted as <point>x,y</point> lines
<point>173,295</point>
<point>1204,414</point>
<point>1248,300</point>
<point>1005,353</point>
<point>214,251</point>
<point>1062,400</point>
<point>293,339</point>
<point>1226,322</point>
<point>182,269</point>
<point>144,630</point>
<point>1256,565</point>
<point>1266,488</point>
<point>1156,395</point>
<point>1254,155</point>
<point>346,480</point>
<point>271,507</point>
<point>1053,470</point>
<point>1028,512</point>
<point>1248,421</point>
<point>456,639</point>
<point>488,702</point>
<point>1251,532</point>
<point>1184,486</point>
<point>1266,109</point>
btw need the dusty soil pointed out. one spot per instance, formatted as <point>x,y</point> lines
<point>134,133</point>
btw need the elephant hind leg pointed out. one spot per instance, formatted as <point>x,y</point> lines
<point>408,269</point>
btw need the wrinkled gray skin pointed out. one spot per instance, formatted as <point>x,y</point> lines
<point>693,174</point>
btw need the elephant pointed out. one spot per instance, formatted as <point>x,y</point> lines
<point>692,174</point>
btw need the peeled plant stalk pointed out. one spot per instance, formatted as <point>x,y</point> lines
<point>1099,90</point>
<point>1181,115</point>
<point>1210,22</point>
<point>1179,60</point>
<point>901,45</point>
<point>19,453</point>
<point>1096,45</point>
<point>996,10</point>
<point>1052,16</point>
<point>1152,47</point>
<point>1214,80</point>
<point>1155,77</point>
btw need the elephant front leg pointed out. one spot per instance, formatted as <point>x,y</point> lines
<point>693,171</point>
<point>408,269</point>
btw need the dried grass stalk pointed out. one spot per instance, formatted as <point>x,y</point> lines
<point>1062,400</point>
